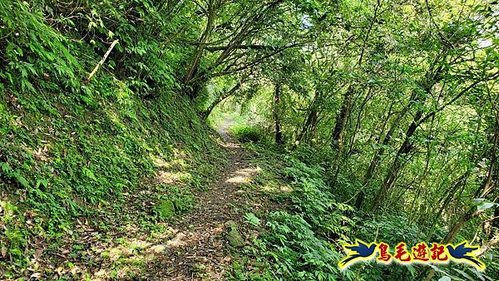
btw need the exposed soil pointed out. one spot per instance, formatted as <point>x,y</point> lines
<point>199,249</point>
<point>192,247</point>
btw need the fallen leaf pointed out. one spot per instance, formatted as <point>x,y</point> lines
<point>4,251</point>
<point>35,275</point>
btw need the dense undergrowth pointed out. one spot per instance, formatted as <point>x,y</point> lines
<point>104,153</point>
<point>385,112</point>
<point>303,238</point>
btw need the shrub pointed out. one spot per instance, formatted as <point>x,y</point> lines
<point>245,133</point>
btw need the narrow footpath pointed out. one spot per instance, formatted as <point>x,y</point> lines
<point>200,249</point>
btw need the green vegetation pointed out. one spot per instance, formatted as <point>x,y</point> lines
<point>367,119</point>
<point>247,134</point>
<point>71,149</point>
<point>303,240</point>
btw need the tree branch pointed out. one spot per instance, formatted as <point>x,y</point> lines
<point>101,62</point>
<point>241,47</point>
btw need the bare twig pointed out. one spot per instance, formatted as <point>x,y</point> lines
<point>101,62</point>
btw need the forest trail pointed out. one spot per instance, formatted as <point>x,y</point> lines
<point>190,246</point>
<point>223,131</point>
<point>200,247</point>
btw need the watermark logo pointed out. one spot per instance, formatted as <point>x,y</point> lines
<point>421,253</point>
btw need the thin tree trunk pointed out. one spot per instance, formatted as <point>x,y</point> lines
<point>204,115</point>
<point>397,163</point>
<point>277,99</point>
<point>346,106</point>
<point>488,185</point>
<point>337,138</point>
<point>431,78</point>
<point>213,5</point>
<point>341,119</point>
<point>358,121</point>
<point>310,123</point>
<point>372,166</point>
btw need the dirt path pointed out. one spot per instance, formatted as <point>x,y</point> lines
<point>193,247</point>
<point>223,130</point>
<point>199,249</point>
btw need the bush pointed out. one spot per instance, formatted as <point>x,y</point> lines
<point>299,243</point>
<point>245,133</point>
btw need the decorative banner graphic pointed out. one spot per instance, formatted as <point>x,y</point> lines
<point>421,253</point>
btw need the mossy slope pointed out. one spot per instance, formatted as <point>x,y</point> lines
<point>72,149</point>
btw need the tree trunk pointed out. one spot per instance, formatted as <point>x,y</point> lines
<point>341,119</point>
<point>397,163</point>
<point>277,99</point>
<point>309,126</point>
<point>204,115</point>
<point>486,187</point>
<point>193,88</point>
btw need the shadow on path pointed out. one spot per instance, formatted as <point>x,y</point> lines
<point>199,249</point>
